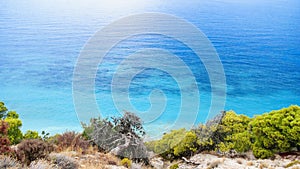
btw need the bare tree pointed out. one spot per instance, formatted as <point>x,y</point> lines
<point>122,136</point>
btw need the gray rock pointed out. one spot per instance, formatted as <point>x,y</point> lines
<point>136,166</point>
<point>157,163</point>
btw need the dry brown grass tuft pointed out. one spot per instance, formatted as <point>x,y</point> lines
<point>41,164</point>
<point>100,162</point>
<point>71,141</point>
<point>250,163</point>
<point>239,161</point>
<point>263,165</point>
<point>296,167</point>
<point>214,164</point>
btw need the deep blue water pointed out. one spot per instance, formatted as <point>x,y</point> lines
<point>257,42</point>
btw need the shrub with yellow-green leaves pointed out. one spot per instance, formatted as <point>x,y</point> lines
<point>234,129</point>
<point>31,135</point>
<point>187,146</point>
<point>208,136</point>
<point>14,133</point>
<point>277,131</point>
<point>126,162</point>
<point>14,124</point>
<point>274,132</point>
<point>3,110</point>
<point>165,146</point>
<point>177,143</point>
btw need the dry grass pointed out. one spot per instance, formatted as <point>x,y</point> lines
<point>296,167</point>
<point>41,164</point>
<point>263,165</point>
<point>71,141</point>
<point>93,160</point>
<point>292,163</point>
<point>239,161</point>
<point>214,164</point>
<point>250,163</point>
<point>92,166</point>
<point>8,162</point>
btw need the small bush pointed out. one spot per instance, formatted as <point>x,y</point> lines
<point>45,136</point>
<point>276,131</point>
<point>31,135</point>
<point>3,110</point>
<point>126,162</point>
<point>64,162</point>
<point>122,136</point>
<point>174,166</point>
<point>4,141</point>
<point>72,141</point>
<point>30,150</point>
<point>14,133</point>
<point>187,146</point>
<point>80,144</point>
<point>234,131</point>
<point>65,140</point>
<point>165,146</point>
<point>7,162</point>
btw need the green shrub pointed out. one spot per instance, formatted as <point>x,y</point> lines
<point>277,131</point>
<point>32,149</point>
<point>165,146</point>
<point>274,132</point>
<point>31,135</point>
<point>174,166</point>
<point>88,129</point>
<point>234,129</point>
<point>45,136</point>
<point>187,146</point>
<point>53,139</point>
<point>14,133</point>
<point>126,162</point>
<point>239,142</point>
<point>233,123</point>
<point>14,123</point>
<point>208,136</point>
<point>261,152</point>
<point>3,110</point>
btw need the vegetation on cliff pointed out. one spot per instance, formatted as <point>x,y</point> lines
<point>264,135</point>
<point>274,132</point>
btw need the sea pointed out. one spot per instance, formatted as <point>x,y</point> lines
<point>257,43</point>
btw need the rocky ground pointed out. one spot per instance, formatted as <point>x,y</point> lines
<point>199,161</point>
<point>98,160</point>
<point>209,161</point>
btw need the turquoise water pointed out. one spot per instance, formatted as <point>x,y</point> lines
<point>257,42</point>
